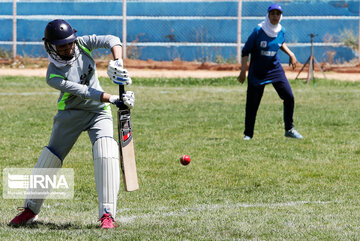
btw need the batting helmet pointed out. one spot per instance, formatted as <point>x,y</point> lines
<point>59,32</point>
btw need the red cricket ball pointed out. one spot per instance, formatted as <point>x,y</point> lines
<point>185,160</point>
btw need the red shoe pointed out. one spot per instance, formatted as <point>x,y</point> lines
<point>25,217</point>
<point>107,221</point>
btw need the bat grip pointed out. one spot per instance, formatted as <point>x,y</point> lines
<point>121,106</point>
<point>121,90</point>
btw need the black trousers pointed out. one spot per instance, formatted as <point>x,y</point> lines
<point>253,99</point>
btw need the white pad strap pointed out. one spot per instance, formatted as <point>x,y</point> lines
<point>47,159</point>
<point>107,174</point>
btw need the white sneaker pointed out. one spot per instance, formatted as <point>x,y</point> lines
<point>292,133</point>
<point>247,138</point>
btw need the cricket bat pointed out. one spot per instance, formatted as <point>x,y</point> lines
<point>126,146</point>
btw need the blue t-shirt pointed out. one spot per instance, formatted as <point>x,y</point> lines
<point>265,64</point>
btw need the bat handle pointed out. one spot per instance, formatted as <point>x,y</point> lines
<point>121,90</point>
<point>121,106</point>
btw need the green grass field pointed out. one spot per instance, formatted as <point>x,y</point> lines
<point>269,188</point>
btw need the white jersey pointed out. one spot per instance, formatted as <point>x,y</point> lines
<point>78,81</point>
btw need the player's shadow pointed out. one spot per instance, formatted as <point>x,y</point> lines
<point>56,226</point>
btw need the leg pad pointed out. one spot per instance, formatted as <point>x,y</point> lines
<point>107,174</point>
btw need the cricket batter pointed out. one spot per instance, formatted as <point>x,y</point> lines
<point>265,68</point>
<point>82,106</point>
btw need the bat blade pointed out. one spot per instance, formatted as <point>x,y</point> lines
<point>127,153</point>
<point>129,168</point>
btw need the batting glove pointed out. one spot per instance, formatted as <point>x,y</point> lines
<point>129,99</point>
<point>113,99</point>
<point>117,73</point>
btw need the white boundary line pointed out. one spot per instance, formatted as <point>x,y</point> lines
<point>185,211</point>
<point>28,93</point>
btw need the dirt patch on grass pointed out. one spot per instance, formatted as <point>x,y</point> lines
<point>169,69</point>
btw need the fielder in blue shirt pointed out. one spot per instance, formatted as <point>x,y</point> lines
<point>265,68</point>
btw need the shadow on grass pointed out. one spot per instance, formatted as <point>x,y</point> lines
<point>55,226</point>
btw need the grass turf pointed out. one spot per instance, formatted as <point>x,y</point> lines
<point>269,188</point>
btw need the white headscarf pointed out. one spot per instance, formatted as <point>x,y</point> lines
<point>270,29</point>
<point>57,63</point>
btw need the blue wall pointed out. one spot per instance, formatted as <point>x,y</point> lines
<point>193,31</point>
